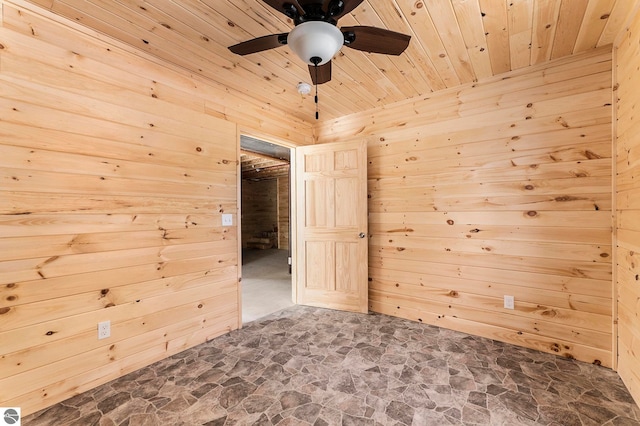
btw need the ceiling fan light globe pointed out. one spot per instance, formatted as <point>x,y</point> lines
<point>315,39</point>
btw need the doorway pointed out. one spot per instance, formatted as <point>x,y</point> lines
<point>265,228</point>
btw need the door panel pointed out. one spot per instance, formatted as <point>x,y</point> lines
<point>332,226</point>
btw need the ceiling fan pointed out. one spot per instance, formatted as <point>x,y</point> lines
<point>316,38</point>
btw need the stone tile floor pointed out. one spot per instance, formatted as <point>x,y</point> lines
<point>310,366</point>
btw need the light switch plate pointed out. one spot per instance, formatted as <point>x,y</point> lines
<point>227,219</point>
<point>509,302</point>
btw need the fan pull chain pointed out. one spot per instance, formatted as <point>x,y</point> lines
<point>315,60</point>
<point>316,97</point>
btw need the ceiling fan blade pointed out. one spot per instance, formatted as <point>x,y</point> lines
<point>286,6</point>
<point>259,44</point>
<point>375,40</point>
<point>323,73</point>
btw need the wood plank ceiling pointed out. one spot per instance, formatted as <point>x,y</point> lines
<point>256,166</point>
<point>453,42</point>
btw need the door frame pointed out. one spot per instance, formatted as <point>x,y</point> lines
<point>245,131</point>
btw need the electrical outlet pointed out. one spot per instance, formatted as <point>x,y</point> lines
<point>104,330</point>
<point>227,219</point>
<point>509,302</point>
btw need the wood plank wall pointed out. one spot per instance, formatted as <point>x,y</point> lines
<point>497,188</point>
<point>259,208</point>
<point>114,173</point>
<point>627,84</point>
<point>259,118</point>
<point>283,213</point>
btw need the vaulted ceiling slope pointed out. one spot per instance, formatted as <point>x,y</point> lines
<point>453,42</point>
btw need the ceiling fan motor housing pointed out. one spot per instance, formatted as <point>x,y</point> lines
<point>315,39</point>
<point>313,11</point>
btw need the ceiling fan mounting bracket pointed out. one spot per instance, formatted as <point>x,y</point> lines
<point>349,37</point>
<point>290,11</point>
<point>335,8</point>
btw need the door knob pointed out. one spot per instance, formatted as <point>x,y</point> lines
<point>361,235</point>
